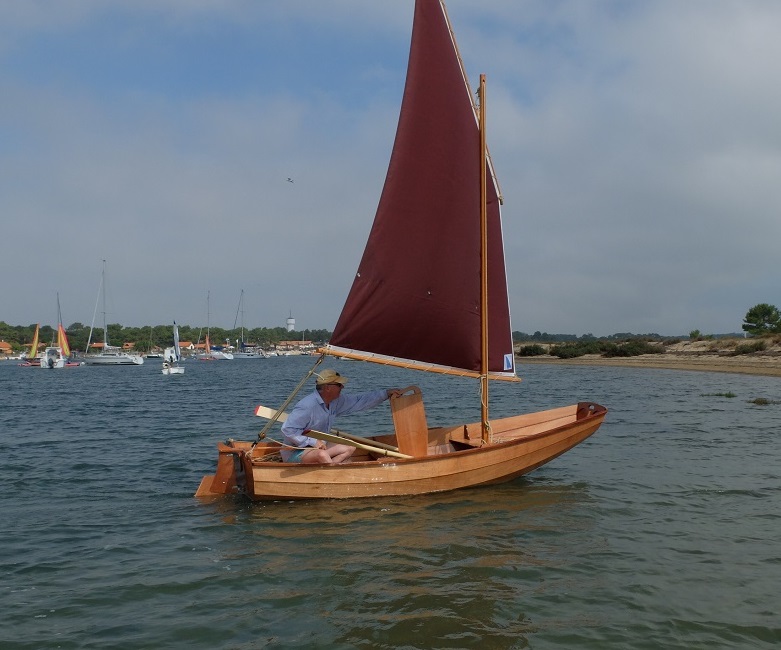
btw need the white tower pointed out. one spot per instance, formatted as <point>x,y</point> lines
<point>291,323</point>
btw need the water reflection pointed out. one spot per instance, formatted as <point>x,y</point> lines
<point>451,569</point>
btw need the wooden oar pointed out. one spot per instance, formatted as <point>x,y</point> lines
<point>340,440</point>
<point>271,414</point>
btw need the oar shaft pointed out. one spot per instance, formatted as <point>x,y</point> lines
<point>340,440</point>
<point>366,441</point>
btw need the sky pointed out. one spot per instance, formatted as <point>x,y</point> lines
<point>637,144</point>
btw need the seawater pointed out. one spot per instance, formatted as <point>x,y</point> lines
<point>661,531</point>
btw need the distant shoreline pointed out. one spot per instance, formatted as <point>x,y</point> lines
<point>693,356</point>
<point>745,365</point>
<point>706,355</point>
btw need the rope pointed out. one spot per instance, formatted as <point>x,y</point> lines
<point>264,458</point>
<point>281,444</point>
<point>273,454</point>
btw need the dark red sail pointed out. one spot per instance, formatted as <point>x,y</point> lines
<point>416,296</point>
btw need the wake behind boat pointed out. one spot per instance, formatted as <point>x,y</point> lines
<point>430,294</point>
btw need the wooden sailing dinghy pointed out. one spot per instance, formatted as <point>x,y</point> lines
<point>431,294</point>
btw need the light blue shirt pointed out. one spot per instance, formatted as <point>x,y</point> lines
<point>312,413</point>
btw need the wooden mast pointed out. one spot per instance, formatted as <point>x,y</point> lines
<point>485,427</point>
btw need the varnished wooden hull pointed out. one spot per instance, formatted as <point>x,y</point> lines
<point>455,461</point>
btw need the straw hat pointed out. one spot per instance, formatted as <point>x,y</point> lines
<point>330,377</point>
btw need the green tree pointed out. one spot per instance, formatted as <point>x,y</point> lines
<point>762,319</point>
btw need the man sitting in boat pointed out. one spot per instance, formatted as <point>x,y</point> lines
<point>317,412</point>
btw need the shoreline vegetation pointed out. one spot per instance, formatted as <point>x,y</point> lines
<point>759,354</point>
<point>741,356</point>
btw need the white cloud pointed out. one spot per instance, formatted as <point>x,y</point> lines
<point>636,143</point>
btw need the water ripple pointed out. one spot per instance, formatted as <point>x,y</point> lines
<point>660,531</point>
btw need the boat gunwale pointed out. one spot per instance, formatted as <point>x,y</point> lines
<point>599,413</point>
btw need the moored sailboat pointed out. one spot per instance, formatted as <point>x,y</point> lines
<point>211,353</point>
<point>244,350</point>
<point>58,356</point>
<point>109,355</point>
<point>173,356</point>
<point>32,358</point>
<point>441,306</point>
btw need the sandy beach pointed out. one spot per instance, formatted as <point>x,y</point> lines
<point>703,356</point>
